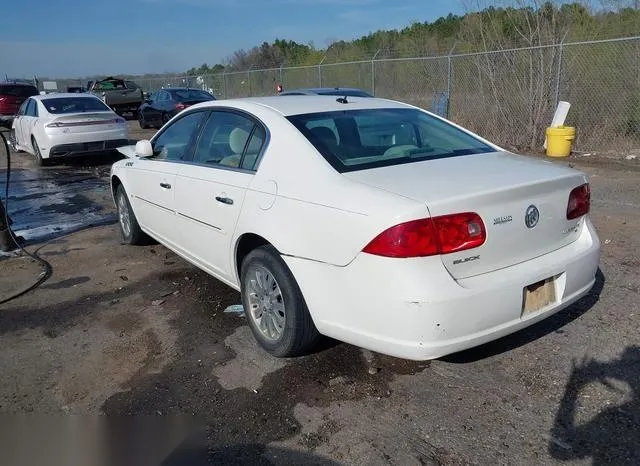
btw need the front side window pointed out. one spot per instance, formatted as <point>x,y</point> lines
<point>370,138</point>
<point>176,140</point>
<point>231,140</point>
<point>23,108</point>
<point>62,105</point>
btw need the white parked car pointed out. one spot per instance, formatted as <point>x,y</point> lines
<point>366,220</point>
<point>62,125</point>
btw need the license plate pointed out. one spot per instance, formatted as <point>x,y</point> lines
<point>539,295</point>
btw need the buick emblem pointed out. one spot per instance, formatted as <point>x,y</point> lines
<point>531,216</point>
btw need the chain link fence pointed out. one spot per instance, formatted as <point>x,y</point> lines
<point>507,96</point>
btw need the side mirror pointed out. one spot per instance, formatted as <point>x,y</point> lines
<point>144,148</point>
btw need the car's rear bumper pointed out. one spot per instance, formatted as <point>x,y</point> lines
<point>85,148</point>
<point>54,145</point>
<point>413,308</point>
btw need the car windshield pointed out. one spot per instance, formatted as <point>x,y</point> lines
<point>17,90</point>
<point>370,138</point>
<point>61,105</point>
<point>184,95</point>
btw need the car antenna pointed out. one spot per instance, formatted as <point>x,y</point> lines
<point>342,100</point>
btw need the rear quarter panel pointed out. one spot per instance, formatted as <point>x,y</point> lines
<point>302,206</point>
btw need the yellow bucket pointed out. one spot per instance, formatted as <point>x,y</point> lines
<point>559,141</point>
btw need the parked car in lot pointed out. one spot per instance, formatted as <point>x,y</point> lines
<point>121,95</point>
<point>366,220</point>
<point>164,104</point>
<point>64,125</point>
<point>76,89</point>
<point>337,91</point>
<point>12,95</point>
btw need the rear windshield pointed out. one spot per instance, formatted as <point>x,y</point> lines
<point>350,93</point>
<point>184,95</point>
<point>361,139</point>
<point>18,91</point>
<point>110,85</point>
<point>61,105</point>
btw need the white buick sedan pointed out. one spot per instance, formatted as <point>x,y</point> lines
<point>366,220</point>
<point>63,125</point>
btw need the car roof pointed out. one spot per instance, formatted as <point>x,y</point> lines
<point>295,105</point>
<point>10,83</point>
<point>56,95</point>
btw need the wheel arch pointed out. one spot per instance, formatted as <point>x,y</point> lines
<point>246,243</point>
<point>115,182</point>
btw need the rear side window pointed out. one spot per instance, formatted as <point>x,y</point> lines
<point>370,138</point>
<point>230,140</point>
<point>190,94</point>
<point>18,91</point>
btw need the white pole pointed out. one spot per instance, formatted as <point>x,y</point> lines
<point>559,117</point>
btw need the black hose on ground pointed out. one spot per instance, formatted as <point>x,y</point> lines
<point>48,270</point>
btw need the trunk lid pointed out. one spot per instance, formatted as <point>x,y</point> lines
<point>501,188</point>
<point>76,123</point>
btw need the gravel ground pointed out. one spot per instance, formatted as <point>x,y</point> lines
<point>123,330</point>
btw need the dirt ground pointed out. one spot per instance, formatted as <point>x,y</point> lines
<point>119,330</point>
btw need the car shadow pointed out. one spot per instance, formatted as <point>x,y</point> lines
<point>613,435</point>
<point>534,332</point>
<point>87,161</point>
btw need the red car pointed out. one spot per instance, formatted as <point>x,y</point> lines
<point>12,95</point>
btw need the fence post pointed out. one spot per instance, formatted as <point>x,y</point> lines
<point>449,79</point>
<point>320,71</point>
<point>224,84</point>
<point>373,73</point>
<point>559,73</point>
<point>249,81</point>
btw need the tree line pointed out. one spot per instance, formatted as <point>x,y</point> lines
<point>517,23</point>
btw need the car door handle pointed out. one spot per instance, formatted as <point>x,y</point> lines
<point>165,185</point>
<point>224,200</point>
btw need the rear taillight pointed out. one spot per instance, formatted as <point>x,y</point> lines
<point>430,236</point>
<point>181,106</point>
<point>579,201</point>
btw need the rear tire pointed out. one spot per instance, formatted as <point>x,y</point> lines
<point>42,162</point>
<point>164,119</point>
<point>276,310</point>
<point>129,228</point>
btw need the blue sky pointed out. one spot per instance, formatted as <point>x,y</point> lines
<point>68,38</point>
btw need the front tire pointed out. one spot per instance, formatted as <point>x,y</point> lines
<point>13,144</point>
<point>276,310</point>
<point>129,228</point>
